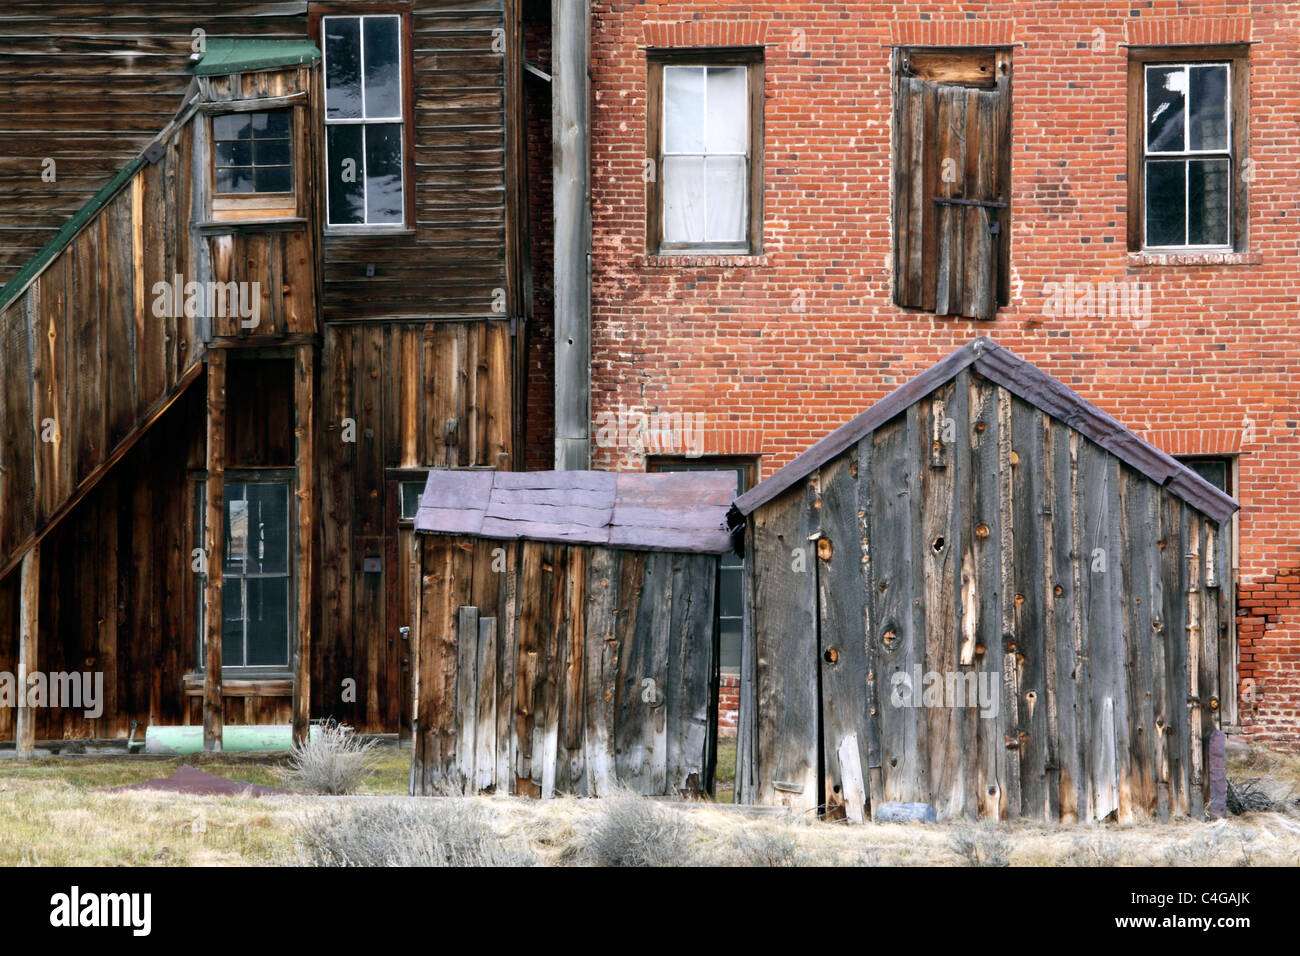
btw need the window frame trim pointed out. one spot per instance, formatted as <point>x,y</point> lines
<point>316,14</point>
<point>1237,58</point>
<point>753,59</point>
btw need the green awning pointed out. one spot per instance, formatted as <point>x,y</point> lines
<point>237,54</point>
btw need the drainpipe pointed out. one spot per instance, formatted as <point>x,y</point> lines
<point>570,144</point>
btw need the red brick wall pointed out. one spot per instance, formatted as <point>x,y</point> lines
<point>776,350</point>
<point>728,704</point>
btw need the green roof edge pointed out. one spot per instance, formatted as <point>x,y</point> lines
<point>235,55</point>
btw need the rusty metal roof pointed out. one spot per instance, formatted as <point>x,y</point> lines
<point>668,511</point>
<point>1027,382</point>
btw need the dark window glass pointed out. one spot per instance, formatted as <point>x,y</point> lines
<point>363,142</point>
<point>383,75</point>
<point>1207,126</point>
<point>342,67</point>
<point>1207,202</point>
<point>384,173</point>
<point>251,152</point>
<point>1187,113</point>
<point>256,575</point>
<point>267,621</point>
<point>411,491</point>
<point>347,170</point>
<point>1214,470</point>
<point>1166,209</point>
<point>1166,99</point>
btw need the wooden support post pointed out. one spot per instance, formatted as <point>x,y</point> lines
<point>29,604</point>
<point>305,467</point>
<point>214,546</point>
<point>570,116</point>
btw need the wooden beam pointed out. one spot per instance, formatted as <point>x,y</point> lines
<point>305,466</point>
<point>28,621</point>
<point>214,547</point>
<point>571,95</point>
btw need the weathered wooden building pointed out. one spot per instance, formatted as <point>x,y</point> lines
<point>264,265</point>
<point>986,594</point>
<point>568,631</point>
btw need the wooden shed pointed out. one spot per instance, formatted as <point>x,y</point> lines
<point>985,594</point>
<point>567,631</point>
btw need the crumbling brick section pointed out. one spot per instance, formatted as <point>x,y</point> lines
<point>1268,669</point>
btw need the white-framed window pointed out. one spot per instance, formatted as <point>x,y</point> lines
<point>365,132</point>
<point>1188,163</point>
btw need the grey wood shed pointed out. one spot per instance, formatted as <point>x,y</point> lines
<point>986,594</point>
<point>567,631</point>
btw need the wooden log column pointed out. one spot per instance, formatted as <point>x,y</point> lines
<point>214,547</point>
<point>29,603</point>
<point>305,467</point>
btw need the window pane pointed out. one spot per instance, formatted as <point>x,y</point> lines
<point>268,529</point>
<point>273,125</point>
<point>1207,124</point>
<point>1166,195</point>
<point>383,72</point>
<point>384,172</point>
<point>729,600</point>
<point>231,126</point>
<point>1207,202</point>
<point>683,185</point>
<point>273,179</point>
<point>234,152</point>
<point>683,109</point>
<point>1213,471</point>
<point>232,624</point>
<point>728,111</point>
<point>729,652</point>
<point>1166,98</point>
<point>342,67</point>
<point>346,174</point>
<point>236,531</point>
<point>411,491</point>
<point>725,192</point>
<point>270,152</point>
<point>268,621</point>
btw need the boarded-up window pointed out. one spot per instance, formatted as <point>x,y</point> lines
<point>952,180</point>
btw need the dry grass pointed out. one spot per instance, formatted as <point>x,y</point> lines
<point>50,816</point>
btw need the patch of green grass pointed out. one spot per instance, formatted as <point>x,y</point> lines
<point>725,775</point>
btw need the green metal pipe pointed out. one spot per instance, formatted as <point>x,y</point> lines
<point>235,738</point>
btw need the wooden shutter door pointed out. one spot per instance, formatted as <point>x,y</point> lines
<point>952,168</point>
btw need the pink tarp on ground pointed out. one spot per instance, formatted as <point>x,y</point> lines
<point>189,780</point>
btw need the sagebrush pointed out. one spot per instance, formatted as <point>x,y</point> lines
<point>333,762</point>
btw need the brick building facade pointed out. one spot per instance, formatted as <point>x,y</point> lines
<point>770,344</point>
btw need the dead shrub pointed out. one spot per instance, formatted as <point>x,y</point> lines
<point>629,830</point>
<point>981,845</point>
<point>436,832</point>
<point>767,848</point>
<point>333,762</point>
<point>1245,795</point>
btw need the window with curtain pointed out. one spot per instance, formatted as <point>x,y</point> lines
<point>705,160</point>
<point>364,120</point>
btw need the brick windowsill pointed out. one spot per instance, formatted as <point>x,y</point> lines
<point>1141,259</point>
<point>704,260</point>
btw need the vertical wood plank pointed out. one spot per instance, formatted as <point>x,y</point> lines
<point>29,597</point>
<point>214,546</point>
<point>305,479</point>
